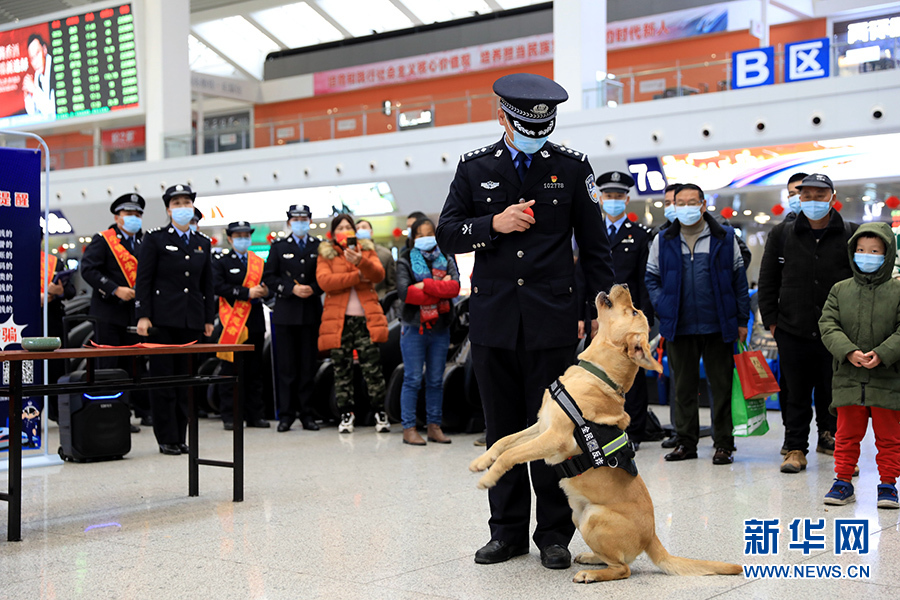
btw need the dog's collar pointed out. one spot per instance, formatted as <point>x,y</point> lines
<point>601,375</point>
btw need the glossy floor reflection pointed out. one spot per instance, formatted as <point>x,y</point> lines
<point>365,516</point>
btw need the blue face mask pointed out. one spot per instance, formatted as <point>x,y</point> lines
<point>815,210</point>
<point>528,145</point>
<point>425,243</point>
<point>613,208</point>
<point>300,228</point>
<point>193,227</point>
<point>794,204</point>
<point>688,215</point>
<point>363,234</point>
<point>132,223</point>
<point>241,244</point>
<point>669,211</point>
<point>182,216</point>
<point>868,263</point>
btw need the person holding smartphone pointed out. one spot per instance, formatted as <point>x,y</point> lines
<point>347,271</point>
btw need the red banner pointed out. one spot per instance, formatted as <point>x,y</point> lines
<point>127,261</point>
<point>234,320</point>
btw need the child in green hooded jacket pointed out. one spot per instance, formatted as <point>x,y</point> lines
<point>860,326</point>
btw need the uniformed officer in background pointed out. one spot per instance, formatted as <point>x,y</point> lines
<point>515,203</point>
<point>195,222</point>
<point>109,266</point>
<point>174,295</point>
<point>291,275</point>
<point>237,279</point>
<point>630,243</point>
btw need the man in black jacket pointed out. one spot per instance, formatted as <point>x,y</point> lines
<point>515,203</point>
<point>803,259</point>
<point>174,295</point>
<point>109,266</point>
<point>291,275</point>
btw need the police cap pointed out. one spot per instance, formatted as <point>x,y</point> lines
<point>239,227</point>
<point>530,102</point>
<point>615,181</point>
<point>128,202</point>
<point>301,210</point>
<point>197,215</point>
<point>816,180</point>
<point>182,189</point>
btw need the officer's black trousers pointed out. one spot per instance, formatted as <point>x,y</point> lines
<point>636,402</point>
<point>297,352</point>
<point>807,367</point>
<point>512,384</point>
<point>169,406</point>
<point>117,335</point>
<point>253,383</point>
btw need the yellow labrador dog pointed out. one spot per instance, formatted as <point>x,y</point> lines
<point>611,508</point>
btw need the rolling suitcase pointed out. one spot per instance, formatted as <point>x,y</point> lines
<point>94,426</point>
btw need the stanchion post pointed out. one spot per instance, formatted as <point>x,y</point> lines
<point>193,465</point>
<point>238,458</point>
<point>14,523</point>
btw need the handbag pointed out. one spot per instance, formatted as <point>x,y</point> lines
<point>747,416</point>
<point>756,379</point>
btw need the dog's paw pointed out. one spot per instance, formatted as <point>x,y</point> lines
<point>584,577</point>
<point>588,558</point>
<point>486,482</point>
<point>481,463</point>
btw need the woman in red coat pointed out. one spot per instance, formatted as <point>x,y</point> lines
<point>352,319</point>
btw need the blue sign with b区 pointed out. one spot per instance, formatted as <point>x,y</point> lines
<point>809,59</point>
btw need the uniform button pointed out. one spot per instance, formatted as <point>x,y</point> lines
<point>187,258</point>
<point>475,289</point>
<point>488,200</point>
<point>626,249</point>
<point>302,261</point>
<point>520,254</point>
<point>187,273</point>
<point>521,282</point>
<point>555,202</point>
<point>570,289</point>
<point>185,290</point>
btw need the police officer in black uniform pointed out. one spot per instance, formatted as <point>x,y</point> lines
<point>291,275</point>
<point>515,203</point>
<point>630,244</point>
<point>112,298</point>
<point>229,269</point>
<point>174,295</point>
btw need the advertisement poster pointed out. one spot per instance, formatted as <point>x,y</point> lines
<point>26,75</point>
<point>20,300</point>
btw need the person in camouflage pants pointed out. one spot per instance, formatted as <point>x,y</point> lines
<point>355,335</point>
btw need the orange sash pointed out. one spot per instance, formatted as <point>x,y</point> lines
<point>50,263</point>
<point>234,319</point>
<point>127,261</point>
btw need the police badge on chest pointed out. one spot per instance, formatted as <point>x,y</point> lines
<point>553,183</point>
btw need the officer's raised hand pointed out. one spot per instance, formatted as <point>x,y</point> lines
<point>514,218</point>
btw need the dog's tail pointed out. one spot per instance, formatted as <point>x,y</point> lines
<point>676,565</point>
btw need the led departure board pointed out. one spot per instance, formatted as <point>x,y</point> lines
<point>74,66</point>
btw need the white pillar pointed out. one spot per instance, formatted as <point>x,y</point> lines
<point>764,20</point>
<point>579,48</point>
<point>201,138</point>
<point>167,73</point>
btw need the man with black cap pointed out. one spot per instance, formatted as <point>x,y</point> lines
<point>515,203</point>
<point>630,244</point>
<point>109,266</point>
<point>291,275</point>
<point>174,296</point>
<point>237,279</point>
<point>803,259</point>
<point>195,222</point>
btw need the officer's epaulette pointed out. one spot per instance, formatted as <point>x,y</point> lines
<point>281,239</point>
<point>644,227</point>
<point>483,151</point>
<point>569,152</point>
<point>155,229</point>
<point>204,235</point>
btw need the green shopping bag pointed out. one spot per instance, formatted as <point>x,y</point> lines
<point>747,416</point>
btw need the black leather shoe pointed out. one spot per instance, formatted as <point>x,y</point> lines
<point>284,426</point>
<point>228,425</point>
<point>183,448</point>
<point>556,557</point>
<point>680,453</point>
<point>722,457</point>
<point>147,421</point>
<point>135,429</point>
<point>310,424</point>
<point>670,442</point>
<point>260,423</point>
<point>497,551</point>
<point>170,449</point>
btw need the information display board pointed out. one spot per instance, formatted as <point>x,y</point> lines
<point>85,64</point>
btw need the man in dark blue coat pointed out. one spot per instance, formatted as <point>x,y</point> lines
<point>515,204</point>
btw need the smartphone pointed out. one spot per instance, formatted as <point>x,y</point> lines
<point>351,242</point>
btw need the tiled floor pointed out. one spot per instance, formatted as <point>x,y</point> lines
<point>365,516</point>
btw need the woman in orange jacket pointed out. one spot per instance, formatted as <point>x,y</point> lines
<point>352,319</point>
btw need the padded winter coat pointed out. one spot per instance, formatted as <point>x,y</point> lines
<point>336,275</point>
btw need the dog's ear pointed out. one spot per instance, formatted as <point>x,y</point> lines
<point>639,353</point>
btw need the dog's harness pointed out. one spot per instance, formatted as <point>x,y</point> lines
<point>601,445</point>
